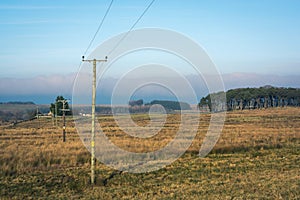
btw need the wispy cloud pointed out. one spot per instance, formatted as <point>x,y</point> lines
<point>25,22</point>
<point>26,7</point>
<point>33,36</point>
<point>41,21</point>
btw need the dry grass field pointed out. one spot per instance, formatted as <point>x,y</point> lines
<point>256,157</point>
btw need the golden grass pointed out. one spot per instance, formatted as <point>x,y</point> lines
<point>257,156</point>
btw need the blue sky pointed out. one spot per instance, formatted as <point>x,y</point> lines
<point>253,43</point>
<point>45,37</point>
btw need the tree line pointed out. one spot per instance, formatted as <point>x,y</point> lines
<point>139,106</point>
<point>256,98</point>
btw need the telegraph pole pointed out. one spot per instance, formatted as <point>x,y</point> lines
<point>37,116</point>
<point>64,118</point>
<point>56,113</point>
<point>94,61</point>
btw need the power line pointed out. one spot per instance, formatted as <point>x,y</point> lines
<point>99,27</point>
<point>94,37</point>
<point>135,23</point>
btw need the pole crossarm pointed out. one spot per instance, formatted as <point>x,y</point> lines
<point>94,60</point>
<point>63,101</point>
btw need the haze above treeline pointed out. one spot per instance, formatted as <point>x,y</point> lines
<point>44,89</point>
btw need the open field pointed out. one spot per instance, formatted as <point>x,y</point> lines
<point>257,156</point>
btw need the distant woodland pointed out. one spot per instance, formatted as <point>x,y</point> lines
<point>255,98</point>
<point>169,106</point>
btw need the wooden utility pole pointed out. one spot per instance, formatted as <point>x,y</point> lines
<point>38,116</point>
<point>64,118</point>
<point>94,61</point>
<point>56,113</point>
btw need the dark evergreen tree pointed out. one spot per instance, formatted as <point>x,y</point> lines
<point>59,106</point>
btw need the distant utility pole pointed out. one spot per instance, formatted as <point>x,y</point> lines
<point>37,112</point>
<point>64,117</point>
<point>94,61</point>
<point>56,113</point>
<point>37,116</point>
